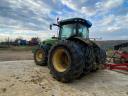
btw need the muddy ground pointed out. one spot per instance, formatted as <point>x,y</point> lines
<point>24,78</point>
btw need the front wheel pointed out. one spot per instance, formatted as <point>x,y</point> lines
<point>40,57</point>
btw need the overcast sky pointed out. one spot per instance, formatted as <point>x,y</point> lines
<point>28,18</point>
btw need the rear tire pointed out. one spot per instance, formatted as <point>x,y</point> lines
<point>69,69</point>
<point>88,58</point>
<point>100,58</point>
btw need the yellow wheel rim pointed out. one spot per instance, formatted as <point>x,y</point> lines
<point>60,60</point>
<point>40,55</point>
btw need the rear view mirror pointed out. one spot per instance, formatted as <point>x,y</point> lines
<point>50,27</point>
<point>54,25</point>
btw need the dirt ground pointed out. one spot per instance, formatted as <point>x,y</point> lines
<point>10,55</point>
<point>23,78</point>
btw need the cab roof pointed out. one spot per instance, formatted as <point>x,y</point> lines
<point>76,20</point>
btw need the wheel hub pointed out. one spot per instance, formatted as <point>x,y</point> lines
<point>39,55</point>
<point>60,60</point>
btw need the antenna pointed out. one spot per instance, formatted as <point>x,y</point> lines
<point>58,20</point>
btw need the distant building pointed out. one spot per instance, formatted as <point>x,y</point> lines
<point>20,42</point>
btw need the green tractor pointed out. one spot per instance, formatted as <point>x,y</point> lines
<point>72,54</point>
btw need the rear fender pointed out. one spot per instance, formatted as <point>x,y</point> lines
<point>81,40</point>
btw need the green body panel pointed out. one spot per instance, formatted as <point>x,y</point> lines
<point>50,42</point>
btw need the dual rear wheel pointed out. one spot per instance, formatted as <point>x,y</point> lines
<point>67,60</point>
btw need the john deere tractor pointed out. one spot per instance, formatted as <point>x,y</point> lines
<point>72,54</point>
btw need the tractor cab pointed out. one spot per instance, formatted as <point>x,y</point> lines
<point>73,27</point>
